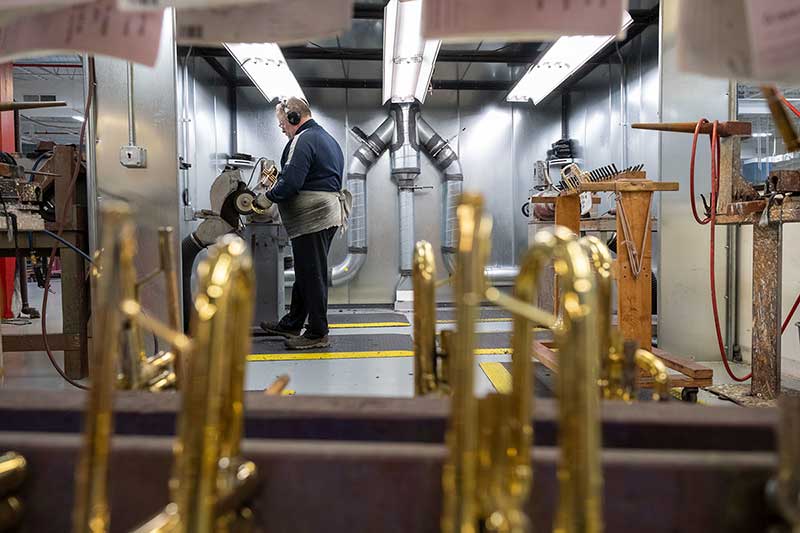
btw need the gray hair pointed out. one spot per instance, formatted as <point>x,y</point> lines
<point>293,103</point>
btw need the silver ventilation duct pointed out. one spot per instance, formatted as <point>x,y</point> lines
<point>406,130</point>
<point>446,160</point>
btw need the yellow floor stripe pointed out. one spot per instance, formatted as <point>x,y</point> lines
<point>498,376</point>
<point>369,325</point>
<point>315,356</point>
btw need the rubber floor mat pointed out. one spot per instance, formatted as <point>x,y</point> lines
<point>367,320</point>
<point>341,347</point>
<point>370,346</point>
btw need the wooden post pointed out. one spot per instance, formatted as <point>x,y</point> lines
<point>568,214</point>
<point>766,350</point>
<point>634,295</point>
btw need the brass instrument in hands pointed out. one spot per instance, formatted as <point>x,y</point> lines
<point>210,481</point>
<point>13,468</point>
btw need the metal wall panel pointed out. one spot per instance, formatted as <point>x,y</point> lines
<point>153,191</point>
<point>209,131</point>
<point>485,151</point>
<point>485,148</point>
<point>534,130</point>
<point>685,322</point>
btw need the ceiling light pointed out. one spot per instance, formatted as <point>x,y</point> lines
<point>408,59</point>
<point>562,59</point>
<point>79,118</point>
<point>265,65</point>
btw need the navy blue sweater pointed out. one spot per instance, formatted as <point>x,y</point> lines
<point>311,161</point>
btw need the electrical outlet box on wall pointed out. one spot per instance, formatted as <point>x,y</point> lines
<point>133,156</point>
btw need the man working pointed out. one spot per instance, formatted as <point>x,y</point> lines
<point>313,206</point>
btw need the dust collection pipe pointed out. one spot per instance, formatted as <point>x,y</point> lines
<point>446,160</point>
<point>407,131</point>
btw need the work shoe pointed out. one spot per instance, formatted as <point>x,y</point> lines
<point>308,341</point>
<point>275,328</point>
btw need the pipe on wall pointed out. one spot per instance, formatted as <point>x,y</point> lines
<point>405,170</point>
<point>446,160</point>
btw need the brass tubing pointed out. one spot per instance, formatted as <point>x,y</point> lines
<point>657,370</point>
<point>459,475</point>
<point>169,266</point>
<point>424,281</point>
<point>536,316</point>
<point>134,358</point>
<point>579,473</point>
<point>277,386</point>
<point>12,472</point>
<point>133,311</point>
<point>209,480</point>
<point>91,510</point>
<point>11,513</point>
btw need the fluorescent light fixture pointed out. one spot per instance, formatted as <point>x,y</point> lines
<point>79,118</point>
<point>265,65</point>
<point>564,57</point>
<point>763,134</point>
<point>408,59</point>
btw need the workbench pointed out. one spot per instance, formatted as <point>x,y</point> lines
<point>73,340</point>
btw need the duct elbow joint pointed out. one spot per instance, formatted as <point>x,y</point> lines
<point>347,270</point>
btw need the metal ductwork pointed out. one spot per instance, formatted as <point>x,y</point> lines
<point>405,172</point>
<point>446,160</point>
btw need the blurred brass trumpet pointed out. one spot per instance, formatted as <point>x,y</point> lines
<point>13,468</point>
<point>209,481</point>
<point>622,361</point>
<point>136,369</point>
<point>487,475</point>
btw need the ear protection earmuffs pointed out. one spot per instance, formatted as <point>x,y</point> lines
<point>292,117</point>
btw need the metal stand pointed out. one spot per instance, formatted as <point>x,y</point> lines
<point>267,243</point>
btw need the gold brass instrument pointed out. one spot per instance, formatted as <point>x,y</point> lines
<point>210,482</point>
<point>487,476</point>
<point>13,468</point>
<point>115,305</point>
<point>137,370</point>
<point>429,371</point>
<point>623,361</point>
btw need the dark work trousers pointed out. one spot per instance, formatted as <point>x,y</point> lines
<point>310,289</point>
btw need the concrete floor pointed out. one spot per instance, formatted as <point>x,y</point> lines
<point>371,376</point>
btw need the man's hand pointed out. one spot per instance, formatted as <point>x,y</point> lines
<point>261,204</point>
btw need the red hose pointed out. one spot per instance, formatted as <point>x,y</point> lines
<point>712,220</point>
<point>792,108</point>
